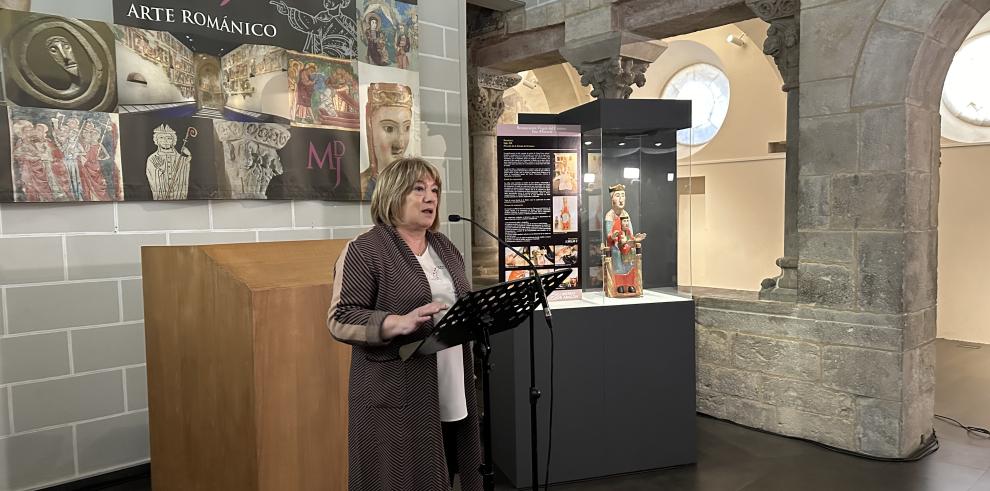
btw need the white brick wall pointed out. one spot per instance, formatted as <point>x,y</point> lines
<point>73,396</point>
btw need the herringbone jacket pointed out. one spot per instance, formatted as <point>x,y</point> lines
<point>394,437</point>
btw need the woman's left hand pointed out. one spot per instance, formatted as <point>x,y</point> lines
<point>398,325</point>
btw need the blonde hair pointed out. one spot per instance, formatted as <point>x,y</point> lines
<point>395,182</point>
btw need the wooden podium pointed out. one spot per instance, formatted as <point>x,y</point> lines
<point>247,390</point>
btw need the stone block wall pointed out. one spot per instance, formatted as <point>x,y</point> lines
<point>73,396</point>
<point>871,78</point>
<point>542,13</point>
<point>845,379</point>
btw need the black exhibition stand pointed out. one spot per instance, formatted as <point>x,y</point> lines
<point>625,391</point>
<point>475,317</point>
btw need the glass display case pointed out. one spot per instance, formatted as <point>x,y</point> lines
<point>629,261</point>
<point>628,207</point>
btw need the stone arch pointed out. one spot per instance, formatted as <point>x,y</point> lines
<point>872,73</point>
<point>563,77</point>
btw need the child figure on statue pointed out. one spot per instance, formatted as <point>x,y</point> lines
<point>621,249</point>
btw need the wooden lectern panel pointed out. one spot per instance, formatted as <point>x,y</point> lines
<point>247,390</point>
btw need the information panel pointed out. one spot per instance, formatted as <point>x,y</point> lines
<point>539,197</point>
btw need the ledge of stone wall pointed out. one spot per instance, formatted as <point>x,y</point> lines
<point>853,380</point>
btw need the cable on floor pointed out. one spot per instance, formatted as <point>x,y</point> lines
<point>972,430</point>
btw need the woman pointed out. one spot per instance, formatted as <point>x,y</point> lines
<point>390,286</point>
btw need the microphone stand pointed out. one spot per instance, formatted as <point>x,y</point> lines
<point>534,392</point>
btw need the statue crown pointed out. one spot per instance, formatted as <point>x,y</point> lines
<point>389,94</point>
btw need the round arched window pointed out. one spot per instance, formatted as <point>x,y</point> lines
<point>965,92</point>
<point>708,90</point>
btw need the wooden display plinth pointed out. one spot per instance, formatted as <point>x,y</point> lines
<point>247,390</point>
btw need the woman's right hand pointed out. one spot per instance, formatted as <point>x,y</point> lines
<point>399,325</point>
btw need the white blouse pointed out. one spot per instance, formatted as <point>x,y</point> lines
<point>450,362</point>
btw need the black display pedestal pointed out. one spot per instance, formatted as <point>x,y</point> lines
<point>624,391</point>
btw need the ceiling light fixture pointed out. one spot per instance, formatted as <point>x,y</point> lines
<point>736,40</point>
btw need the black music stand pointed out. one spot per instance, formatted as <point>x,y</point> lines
<point>475,317</point>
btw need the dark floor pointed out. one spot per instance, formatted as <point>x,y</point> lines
<point>732,458</point>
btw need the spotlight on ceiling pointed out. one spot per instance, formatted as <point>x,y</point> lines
<point>736,40</point>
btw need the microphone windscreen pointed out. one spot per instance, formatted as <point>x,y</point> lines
<point>454,218</point>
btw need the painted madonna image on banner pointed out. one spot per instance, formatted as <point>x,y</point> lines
<point>388,126</point>
<point>389,33</point>
<point>64,155</point>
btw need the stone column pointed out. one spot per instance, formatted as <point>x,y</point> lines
<point>783,38</point>
<point>485,106</point>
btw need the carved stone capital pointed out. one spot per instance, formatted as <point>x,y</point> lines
<point>612,78</point>
<point>783,36</point>
<point>612,64</point>
<point>485,103</point>
<point>769,10</point>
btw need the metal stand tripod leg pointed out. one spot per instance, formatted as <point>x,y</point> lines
<point>487,467</point>
<point>534,397</point>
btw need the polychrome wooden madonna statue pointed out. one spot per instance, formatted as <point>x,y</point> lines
<point>621,257</point>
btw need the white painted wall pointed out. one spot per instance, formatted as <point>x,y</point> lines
<point>757,107</point>
<point>730,236</point>
<point>963,242</point>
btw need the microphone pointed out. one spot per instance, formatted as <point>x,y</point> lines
<point>543,294</point>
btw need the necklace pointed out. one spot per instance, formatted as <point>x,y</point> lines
<point>430,268</point>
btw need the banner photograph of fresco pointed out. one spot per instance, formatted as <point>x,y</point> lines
<point>192,99</point>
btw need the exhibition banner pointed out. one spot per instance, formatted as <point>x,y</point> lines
<point>218,99</point>
<point>539,201</point>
